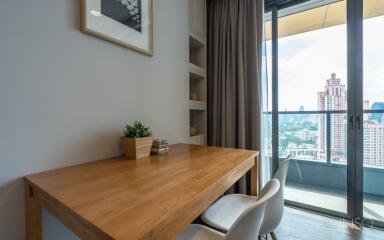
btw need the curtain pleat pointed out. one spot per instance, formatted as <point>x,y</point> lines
<point>235,35</point>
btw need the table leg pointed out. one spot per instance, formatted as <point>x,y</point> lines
<point>33,216</point>
<point>255,177</point>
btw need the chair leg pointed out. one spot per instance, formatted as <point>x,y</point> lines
<point>263,237</point>
<point>273,236</point>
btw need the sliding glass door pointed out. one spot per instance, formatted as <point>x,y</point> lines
<point>313,87</point>
<point>328,105</point>
<point>373,106</point>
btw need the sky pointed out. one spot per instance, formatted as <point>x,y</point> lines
<point>308,59</point>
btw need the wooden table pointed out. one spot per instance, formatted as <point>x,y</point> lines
<point>150,198</point>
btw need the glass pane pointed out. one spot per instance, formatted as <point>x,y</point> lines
<point>313,102</point>
<point>373,169</point>
<point>267,59</point>
<point>266,120</point>
<point>313,59</point>
<point>299,136</point>
<point>373,93</point>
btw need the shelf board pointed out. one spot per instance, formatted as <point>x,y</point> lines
<point>196,71</point>
<point>198,139</point>
<point>197,105</point>
<point>195,42</point>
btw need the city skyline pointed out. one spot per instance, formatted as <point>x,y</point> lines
<point>326,49</point>
<point>304,136</point>
<point>310,65</point>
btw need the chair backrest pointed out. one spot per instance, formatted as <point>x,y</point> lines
<point>275,208</point>
<point>247,225</point>
<point>281,173</point>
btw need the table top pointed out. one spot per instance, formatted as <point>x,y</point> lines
<point>145,198</point>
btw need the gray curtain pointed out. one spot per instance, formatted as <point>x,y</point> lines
<point>235,36</point>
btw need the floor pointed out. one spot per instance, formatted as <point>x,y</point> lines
<point>301,225</point>
<point>337,201</point>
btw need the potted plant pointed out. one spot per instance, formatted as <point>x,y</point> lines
<point>137,141</point>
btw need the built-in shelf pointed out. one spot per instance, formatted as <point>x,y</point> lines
<point>197,105</point>
<point>196,71</point>
<point>195,42</point>
<point>197,139</point>
<point>197,122</point>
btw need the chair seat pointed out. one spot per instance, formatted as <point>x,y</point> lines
<point>200,232</point>
<point>223,213</point>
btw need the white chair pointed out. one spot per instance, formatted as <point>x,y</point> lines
<point>275,208</point>
<point>245,227</point>
<point>223,213</point>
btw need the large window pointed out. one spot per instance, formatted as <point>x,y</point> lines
<point>328,104</point>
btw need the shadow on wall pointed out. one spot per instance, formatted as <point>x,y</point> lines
<point>12,194</point>
<point>12,207</point>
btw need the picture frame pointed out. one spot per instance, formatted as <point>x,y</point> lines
<point>128,23</point>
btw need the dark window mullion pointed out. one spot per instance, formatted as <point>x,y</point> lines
<point>328,137</point>
<point>355,73</point>
<point>275,92</point>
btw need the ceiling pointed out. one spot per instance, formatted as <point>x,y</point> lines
<point>313,15</point>
<point>281,3</point>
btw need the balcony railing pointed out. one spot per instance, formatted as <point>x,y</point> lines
<point>325,172</point>
<point>327,119</point>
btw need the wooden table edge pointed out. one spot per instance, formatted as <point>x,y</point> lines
<point>255,172</point>
<point>36,199</point>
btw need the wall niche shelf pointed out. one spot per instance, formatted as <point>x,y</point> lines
<point>197,105</point>
<point>195,42</point>
<point>197,72</point>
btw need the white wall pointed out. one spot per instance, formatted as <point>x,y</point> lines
<point>65,96</point>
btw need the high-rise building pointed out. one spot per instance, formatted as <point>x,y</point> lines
<point>374,136</point>
<point>373,144</point>
<point>333,98</point>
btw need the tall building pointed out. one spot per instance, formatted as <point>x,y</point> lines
<point>374,136</point>
<point>373,144</point>
<point>332,98</point>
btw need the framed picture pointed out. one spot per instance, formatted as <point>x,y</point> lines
<point>125,22</point>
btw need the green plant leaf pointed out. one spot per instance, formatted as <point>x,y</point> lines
<point>137,130</point>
